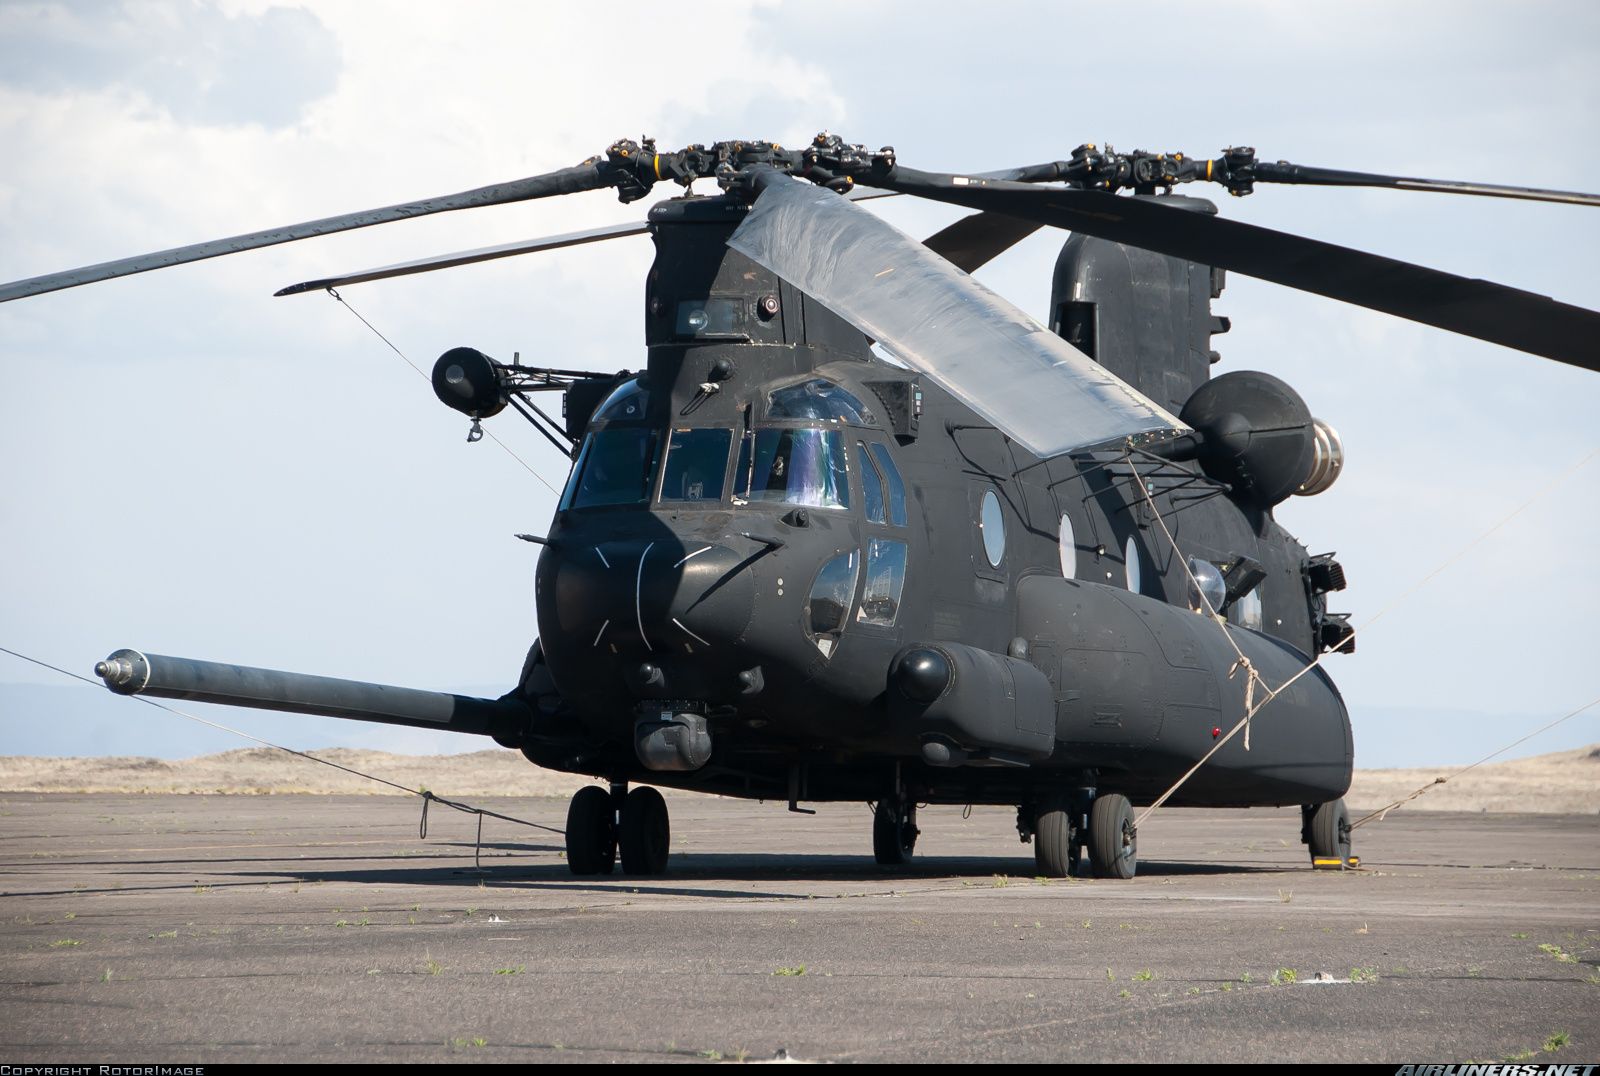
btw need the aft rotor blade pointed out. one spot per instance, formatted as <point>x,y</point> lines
<point>468,257</point>
<point>1284,172</point>
<point>977,240</point>
<point>1478,308</point>
<point>1031,384</point>
<point>585,177</point>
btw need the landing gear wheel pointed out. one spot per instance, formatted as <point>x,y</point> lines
<point>1056,839</point>
<point>894,832</point>
<point>591,832</point>
<point>1113,842</point>
<point>646,834</point>
<point>1328,831</point>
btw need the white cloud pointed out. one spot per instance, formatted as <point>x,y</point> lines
<point>196,467</point>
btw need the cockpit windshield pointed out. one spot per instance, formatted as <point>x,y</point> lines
<point>697,461</point>
<point>617,466</point>
<point>793,466</point>
<point>819,399</point>
<point>628,402</point>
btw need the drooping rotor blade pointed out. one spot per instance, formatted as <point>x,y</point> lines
<point>1034,386</point>
<point>977,240</point>
<point>507,250</point>
<point>591,175</point>
<point>1478,308</point>
<point>1284,172</point>
<point>468,257</point>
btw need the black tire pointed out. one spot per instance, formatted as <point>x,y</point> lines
<point>894,832</point>
<point>591,832</point>
<point>1055,840</point>
<point>1113,842</point>
<point>1328,834</point>
<point>646,835</point>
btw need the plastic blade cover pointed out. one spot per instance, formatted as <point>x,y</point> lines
<point>1031,384</point>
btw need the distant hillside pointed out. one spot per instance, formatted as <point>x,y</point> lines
<point>72,720</point>
<point>1566,782</point>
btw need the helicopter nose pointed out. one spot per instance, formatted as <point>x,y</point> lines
<point>656,596</point>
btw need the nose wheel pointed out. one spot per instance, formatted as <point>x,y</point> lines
<point>894,832</point>
<point>597,829</point>
<point>646,832</point>
<point>591,832</point>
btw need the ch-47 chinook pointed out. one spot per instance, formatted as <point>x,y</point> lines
<point>861,530</point>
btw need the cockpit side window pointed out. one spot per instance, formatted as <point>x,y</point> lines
<point>793,466</point>
<point>886,580</point>
<point>871,487</point>
<point>891,479</point>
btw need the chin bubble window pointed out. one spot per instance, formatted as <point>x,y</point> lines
<point>992,527</point>
<point>828,607</point>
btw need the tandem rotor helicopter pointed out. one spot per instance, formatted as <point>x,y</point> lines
<point>862,530</point>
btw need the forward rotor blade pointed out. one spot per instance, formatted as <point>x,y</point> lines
<point>1284,172</point>
<point>468,257</point>
<point>1478,308</point>
<point>589,176</point>
<point>1030,383</point>
<point>977,240</point>
<point>506,250</point>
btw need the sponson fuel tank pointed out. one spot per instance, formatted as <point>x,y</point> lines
<point>1131,672</point>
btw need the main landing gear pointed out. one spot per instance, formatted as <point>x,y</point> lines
<point>1325,830</point>
<point>894,831</point>
<point>1064,825</point>
<point>599,821</point>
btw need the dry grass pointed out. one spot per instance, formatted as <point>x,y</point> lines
<point>1567,782</point>
<point>263,771</point>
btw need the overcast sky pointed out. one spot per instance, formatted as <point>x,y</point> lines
<point>194,467</point>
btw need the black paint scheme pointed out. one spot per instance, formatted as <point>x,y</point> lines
<point>766,447</point>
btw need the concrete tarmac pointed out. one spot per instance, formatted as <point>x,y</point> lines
<point>306,928</point>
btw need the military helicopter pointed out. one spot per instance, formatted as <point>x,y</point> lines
<point>861,530</point>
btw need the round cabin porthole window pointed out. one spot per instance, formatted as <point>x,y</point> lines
<point>1069,548</point>
<point>1130,559</point>
<point>993,527</point>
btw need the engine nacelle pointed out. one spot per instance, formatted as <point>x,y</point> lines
<point>1327,460</point>
<point>1255,433</point>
